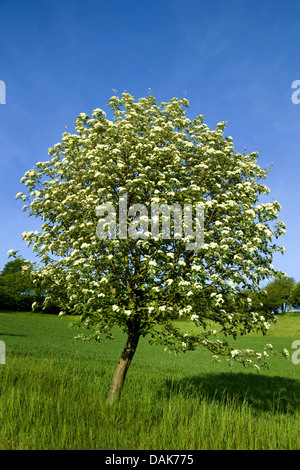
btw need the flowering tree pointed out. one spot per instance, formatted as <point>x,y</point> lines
<point>118,271</point>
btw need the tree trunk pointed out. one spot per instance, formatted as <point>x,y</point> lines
<point>118,379</point>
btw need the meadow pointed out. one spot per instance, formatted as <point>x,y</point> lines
<point>53,389</point>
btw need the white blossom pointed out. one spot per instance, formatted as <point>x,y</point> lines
<point>235,352</point>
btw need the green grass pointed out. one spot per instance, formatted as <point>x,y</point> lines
<point>53,388</point>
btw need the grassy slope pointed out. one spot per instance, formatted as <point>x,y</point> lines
<point>53,388</point>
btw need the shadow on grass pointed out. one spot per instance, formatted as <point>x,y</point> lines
<point>265,394</point>
<point>11,334</point>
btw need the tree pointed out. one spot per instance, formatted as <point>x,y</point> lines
<point>278,295</point>
<point>257,300</point>
<point>16,287</point>
<point>15,266</point>
<point>95,197</point>
<point>295,296</point>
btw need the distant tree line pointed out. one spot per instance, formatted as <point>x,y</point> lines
<point>17,290</point>
<point>278,296</point>
<point>19,293</point>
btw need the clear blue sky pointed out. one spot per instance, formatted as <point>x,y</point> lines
<point>236,61</point>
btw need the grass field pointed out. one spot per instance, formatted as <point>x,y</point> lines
<point>53,388</point>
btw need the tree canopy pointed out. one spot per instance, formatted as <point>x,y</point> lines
<point>295,296</point>
<point>150,153</point>
<point>278,295</point>
<point>16,286</point>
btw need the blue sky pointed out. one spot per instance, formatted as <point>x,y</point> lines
<point>235,60</point>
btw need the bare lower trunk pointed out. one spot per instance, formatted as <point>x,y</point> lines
<point>117,382</point>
